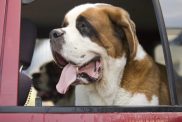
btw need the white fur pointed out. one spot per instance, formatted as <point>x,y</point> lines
<point>119,98</point>
<point>124,97</point>
<point>140,53</point>
<point>76,11</point>
<point>141,100</point>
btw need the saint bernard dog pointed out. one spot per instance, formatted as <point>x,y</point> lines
<point>98,49</point>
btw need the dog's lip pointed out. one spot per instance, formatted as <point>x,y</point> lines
<point>94,59</point>
<point>61,61</point>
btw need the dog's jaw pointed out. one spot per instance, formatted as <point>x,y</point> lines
<point>105,90</point>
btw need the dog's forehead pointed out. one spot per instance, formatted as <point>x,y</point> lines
<point>72,15</point>
<point>76,11</point>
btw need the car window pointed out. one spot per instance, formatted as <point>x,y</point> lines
<point>173,17</point>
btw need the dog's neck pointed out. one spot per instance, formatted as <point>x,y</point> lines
<point>112,76</point>
<point>113,73</point>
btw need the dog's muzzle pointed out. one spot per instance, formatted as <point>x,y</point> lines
<point>72,74</point>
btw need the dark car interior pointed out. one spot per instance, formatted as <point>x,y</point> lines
<point>41,16</point>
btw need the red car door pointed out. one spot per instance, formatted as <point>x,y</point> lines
<point>9,53</point>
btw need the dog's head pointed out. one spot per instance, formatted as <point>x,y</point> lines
<point>45,81</point>
<point>94,42</point>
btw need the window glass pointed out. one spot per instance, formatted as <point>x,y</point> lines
<point>173,17</point>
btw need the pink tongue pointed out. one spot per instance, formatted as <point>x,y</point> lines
<point>68,76</point>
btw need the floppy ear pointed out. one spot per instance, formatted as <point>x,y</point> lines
<point>122,19</point>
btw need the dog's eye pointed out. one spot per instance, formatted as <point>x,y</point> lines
<point>83,27</point>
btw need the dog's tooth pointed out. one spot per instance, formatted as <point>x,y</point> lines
<point>95,69</point>
<point>77,69</point>
<point>99,69</point>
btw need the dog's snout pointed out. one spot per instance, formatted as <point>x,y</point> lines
<point>56,33</point>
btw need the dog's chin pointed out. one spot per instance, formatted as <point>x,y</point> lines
<point>89,72</point>
<point>85,79</point>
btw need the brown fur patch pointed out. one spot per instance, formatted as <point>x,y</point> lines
<point>146,77</point>
<point>103,25</point>
<point>122,18</point>
<point>101,18</point>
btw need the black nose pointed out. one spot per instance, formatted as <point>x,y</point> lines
<point>56,33</point>
<point>36,75</point>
